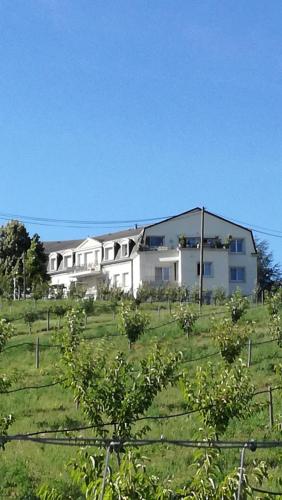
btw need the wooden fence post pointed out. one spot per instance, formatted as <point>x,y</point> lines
<point>249,353</point>
<point>270,403</point>
<point>37,353</point>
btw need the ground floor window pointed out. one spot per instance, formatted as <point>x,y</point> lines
<point>161,274</point>
<point>125,279</point>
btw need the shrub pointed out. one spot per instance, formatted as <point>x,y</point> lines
<point>219,296</point>
<point>220,393</point>
<point>230,337</point>
<point>185,318</point>
<point>131,322</point>
<point>237,305</point>
<point>29,318</point>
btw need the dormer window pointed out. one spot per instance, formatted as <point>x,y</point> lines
<point>68,261</point>
<point>109,253</point>
<point>124,250</point>
<point>53,264</point>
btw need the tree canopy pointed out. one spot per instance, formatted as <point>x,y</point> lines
<point>269,273</point>
<point>21,257</point>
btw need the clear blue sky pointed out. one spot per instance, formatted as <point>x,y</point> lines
<point>129,109</point>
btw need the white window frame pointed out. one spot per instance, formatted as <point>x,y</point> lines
<point>107,250</point>
<point>53,263</point>
<point>116,280</point>
<point>165,273</point>
<point>66,258</point>
<point>125,280</point>
<point>124,245</point>
<point>237,269</point>
<point>96,256</point>
<point>236,242</point>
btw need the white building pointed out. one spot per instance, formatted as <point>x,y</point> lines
<point>167,252</point>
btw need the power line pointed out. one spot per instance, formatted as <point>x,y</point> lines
<point>88,224</point>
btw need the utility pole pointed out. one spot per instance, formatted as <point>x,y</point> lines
<point>201,258</point>
<point>24,278</point>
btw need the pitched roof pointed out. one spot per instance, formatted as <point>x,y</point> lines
<point>56,246</point>
<point>118,235</point>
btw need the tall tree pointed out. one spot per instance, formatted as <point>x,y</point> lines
<point>35,263</point>
<point>14,242</point>
<point>269,273</point>
<point>21,257</point>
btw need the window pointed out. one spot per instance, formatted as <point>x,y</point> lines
<point>237,246</point>
<point>237,274</point>
<point>125,279</point>
<point>116,280</point>
<point>68,261</point>
<point>88,256</point>
<point>53,264</point>
<point>96,256</point>
<point>109,253</point>
<point>124,250</point>
<point>80,259</point>
<point>161,274</point>
<point>155,241</point>
<point>207,269</point>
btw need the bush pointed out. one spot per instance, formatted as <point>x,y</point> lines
<point>230,337</point>
<point>185,318</point>
<point>219,296</point>
<point>131,322</point>
<point>220,393</point>
<point>29,318</point>
<point>237,305</point>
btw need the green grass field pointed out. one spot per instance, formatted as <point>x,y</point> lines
<point>25,465</point>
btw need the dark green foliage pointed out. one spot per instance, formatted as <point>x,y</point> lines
<point>269,273</point>
<point>36,265</point>
<point>29,318</point>
<point>22,258</point>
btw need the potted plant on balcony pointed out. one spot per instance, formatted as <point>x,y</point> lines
<point>182,240</point>
<point>217,242</point>
<point>227,241</point>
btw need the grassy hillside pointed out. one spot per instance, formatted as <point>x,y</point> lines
<point>25,465</point>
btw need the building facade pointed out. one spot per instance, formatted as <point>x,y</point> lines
<point>165,253</point>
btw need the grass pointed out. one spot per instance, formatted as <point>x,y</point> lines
<point>26,465</point>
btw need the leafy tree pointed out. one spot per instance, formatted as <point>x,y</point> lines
<point>185,318</point>
<point>269,273</point>
<point>221,393</point>
<point>20,257</point>
<point>230,337</point>
<point>131,322</point>
<point>36,264</point>
<point>14,242</point>
<point>237,305</point>
<point>29,318</point>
